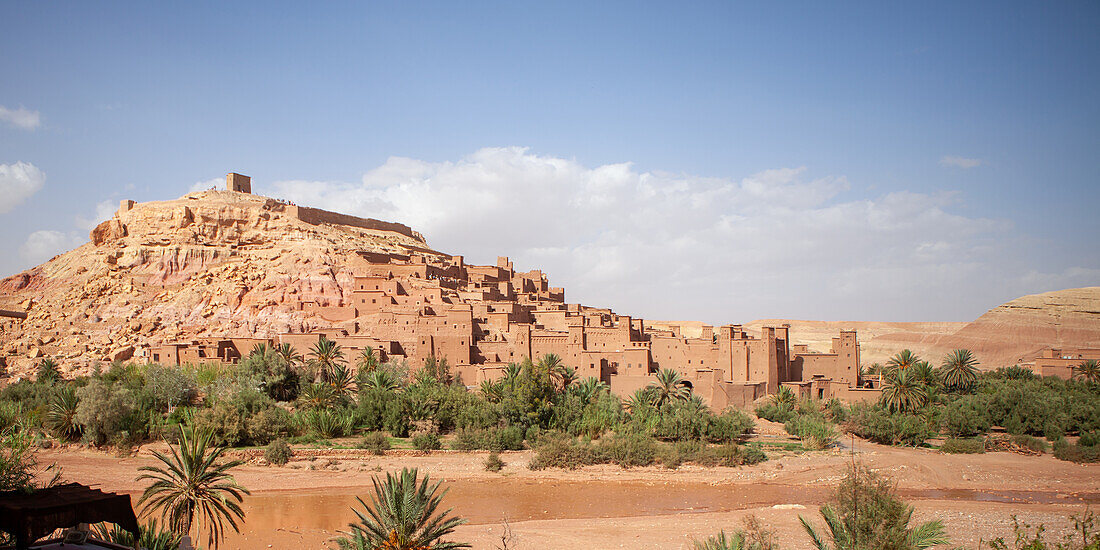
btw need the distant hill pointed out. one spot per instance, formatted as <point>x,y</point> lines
<point>1009,334</point>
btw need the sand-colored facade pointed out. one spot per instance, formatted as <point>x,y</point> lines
<point>481,318</point>
<point>1061,362</point>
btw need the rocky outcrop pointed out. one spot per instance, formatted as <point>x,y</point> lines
<point>213,263</point>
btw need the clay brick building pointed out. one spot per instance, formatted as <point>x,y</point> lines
<point>1060,362</point>
<point>481,318</point>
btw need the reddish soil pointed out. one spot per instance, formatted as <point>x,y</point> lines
<point>304,504</point>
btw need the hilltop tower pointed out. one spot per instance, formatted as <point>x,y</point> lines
<point>239,183</point>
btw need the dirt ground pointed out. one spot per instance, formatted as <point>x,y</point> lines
<point>305,503</point>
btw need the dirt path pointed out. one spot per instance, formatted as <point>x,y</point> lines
<point>303,504</point>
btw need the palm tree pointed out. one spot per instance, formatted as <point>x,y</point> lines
<point>288,355</point>
<point>845,535</point>
<point>381,380</point>
<point>903,360</point>
<point>959,370</point>
<point>317,396</point>
<point>642,399</point>
<point>61,418</point>
<point>153,536</point>
<point>341,380</point>
<point>402,516</point>
<point>367,361</point>
<point>48,371</point>
<point>493,392</point>
<point>721,541</point>
<point>902,392</point>
<point>925,373</point>
<point>191,485</point>
<point>565,376</point>
<point>785,398</point>
<point>669,386</point>
<point>511,373</point>
<point>588,389</point>
<point>260,350</point>
<point>326,354</point>
<point>1088,370</point>
<point>549,365</point>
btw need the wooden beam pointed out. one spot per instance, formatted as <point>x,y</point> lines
<point>14,314</point>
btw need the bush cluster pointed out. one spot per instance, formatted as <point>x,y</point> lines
<point>877,424</point>
<point>278,452</point>
<point>631,450</point>
<point>375,442</point>
<point>955,445</point>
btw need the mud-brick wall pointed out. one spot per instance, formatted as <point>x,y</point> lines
<point>316,217</point>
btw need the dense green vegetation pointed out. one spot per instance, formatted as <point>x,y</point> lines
<point>276,394</point>
<point>957,402</point>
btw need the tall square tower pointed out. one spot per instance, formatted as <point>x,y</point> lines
<point>239,183</point>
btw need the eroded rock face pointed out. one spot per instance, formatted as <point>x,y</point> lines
<point>210,263</point>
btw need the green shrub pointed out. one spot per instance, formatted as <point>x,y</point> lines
<point>680,421</point>
<point>48,371</point>
<point>153,536</point>
<point>966,417</point>
<point>1089,439</point>
<point>1029,442</point>
<point>881,426</point>
<point>105,411</point>
<point>225,422</point>
<point>326,423</point>
<point>776,412</point>
<point>495,439</point>
<point>493,463</point>
<point>730,455</point>
<point>1015,372</point>
<point>11,414</point>
<point>729,426</point>
<point>561,451</point>
<point>278,452</point>
<point>268,425</point>
<point>627,450</point>
<point>375,442</point>
<point>168,387</point>
<point>426,442</point>
<point>836,411</point>
<point>1075,452</point>
<point>815,433</point>
<point>956,445</point>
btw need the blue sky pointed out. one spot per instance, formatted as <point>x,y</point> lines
<point>752,160</point>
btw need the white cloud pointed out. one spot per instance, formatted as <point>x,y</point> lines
<point>207,185</point>
<point>103,211</point>
<point>961,162</point>
<point>776,243</point>
<point>20,118</point>
<point>43,245</point>
<point>17,183</point>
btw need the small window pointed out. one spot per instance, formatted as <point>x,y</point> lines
<point>156,357</point>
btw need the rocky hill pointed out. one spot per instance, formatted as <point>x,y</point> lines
<point>209,263</point>
<point>1009,334</point>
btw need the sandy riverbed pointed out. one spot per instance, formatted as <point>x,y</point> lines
<point>304,504</point>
